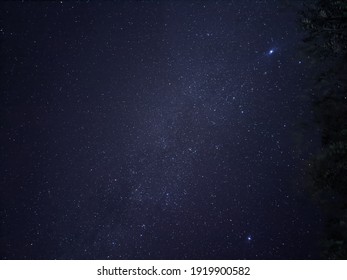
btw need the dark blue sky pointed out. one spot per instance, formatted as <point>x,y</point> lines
<point>154,130</point>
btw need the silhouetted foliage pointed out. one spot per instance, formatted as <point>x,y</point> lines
<point>326,45</point>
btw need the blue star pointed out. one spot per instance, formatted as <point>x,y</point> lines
<point>270,52</point>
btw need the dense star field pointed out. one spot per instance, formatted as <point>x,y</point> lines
<point>154,130</point>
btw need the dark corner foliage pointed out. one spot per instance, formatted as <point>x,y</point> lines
<point>325,23</point>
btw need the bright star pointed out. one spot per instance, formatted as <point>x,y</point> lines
<point>271,51</point>
<point>249,238</point>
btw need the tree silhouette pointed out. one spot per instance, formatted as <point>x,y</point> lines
<point>325,44</point>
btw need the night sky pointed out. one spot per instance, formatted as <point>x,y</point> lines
<point>154,130</point>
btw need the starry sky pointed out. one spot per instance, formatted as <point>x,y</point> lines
<point>154,130</point>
